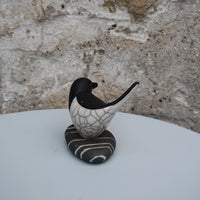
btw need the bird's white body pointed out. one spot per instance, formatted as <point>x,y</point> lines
<point>90,123</point>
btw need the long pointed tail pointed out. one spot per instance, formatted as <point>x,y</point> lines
<point>125,96</point>
<point>113,107</point>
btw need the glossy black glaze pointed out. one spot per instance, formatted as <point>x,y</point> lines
<point>82,89</point>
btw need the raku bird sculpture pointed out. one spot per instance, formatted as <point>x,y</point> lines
<point>91,116</point>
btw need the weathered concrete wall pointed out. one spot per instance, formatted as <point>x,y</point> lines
<point>46,44</point>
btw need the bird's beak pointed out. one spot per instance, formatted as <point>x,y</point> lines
<point>94,85</point>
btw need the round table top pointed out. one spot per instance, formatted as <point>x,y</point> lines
<point>153,160</point>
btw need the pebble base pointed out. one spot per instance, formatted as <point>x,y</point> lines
<point>95,150</point>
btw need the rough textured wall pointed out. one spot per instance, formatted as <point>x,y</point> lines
<point>46,44</point>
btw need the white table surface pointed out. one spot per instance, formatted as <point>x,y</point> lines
<point>153,160</point>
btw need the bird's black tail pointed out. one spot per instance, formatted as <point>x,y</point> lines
<point>125,95</point>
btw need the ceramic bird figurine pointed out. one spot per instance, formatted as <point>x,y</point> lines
<point>89,114</point>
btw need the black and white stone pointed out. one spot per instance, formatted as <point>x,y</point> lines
<point>92,150</point>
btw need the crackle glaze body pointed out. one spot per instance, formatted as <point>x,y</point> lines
<point>89,114</point>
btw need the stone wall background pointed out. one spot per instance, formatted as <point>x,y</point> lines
<point>46,44</point>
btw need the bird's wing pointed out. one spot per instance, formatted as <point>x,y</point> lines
<point>88,100</point>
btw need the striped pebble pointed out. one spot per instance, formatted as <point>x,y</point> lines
<point>95,150</point>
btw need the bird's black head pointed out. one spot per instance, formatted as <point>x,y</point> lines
<point>80,85</point>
